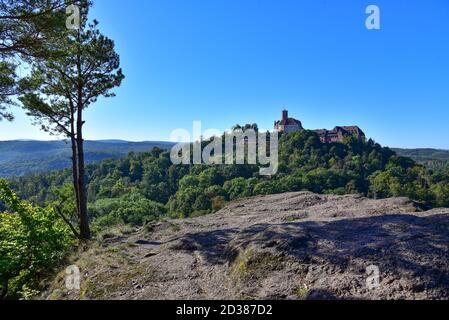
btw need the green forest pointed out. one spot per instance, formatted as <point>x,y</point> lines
<point>142,187</point>
<point>431,158</point>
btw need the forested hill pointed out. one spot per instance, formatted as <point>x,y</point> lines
<point>18,158</point>
<point>432,158</point>
<point>143,186</point>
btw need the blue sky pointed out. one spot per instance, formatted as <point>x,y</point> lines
<point>243,61</point>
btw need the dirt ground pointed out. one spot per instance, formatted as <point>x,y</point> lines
<point>286,246</point>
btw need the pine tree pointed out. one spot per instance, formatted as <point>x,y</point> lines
<point>61,88</point>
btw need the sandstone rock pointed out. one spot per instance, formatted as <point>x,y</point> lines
<point>295,246</point>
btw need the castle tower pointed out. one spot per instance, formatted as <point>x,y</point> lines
<point>284,115</point>
<point>287,124</point>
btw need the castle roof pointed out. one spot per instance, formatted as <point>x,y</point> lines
<point>354,129</point>
<point>344,129</point>
<point>289,122</point>
<point>336,134</point>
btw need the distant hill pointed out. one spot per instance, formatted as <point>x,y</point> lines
<point>433,158</point>
<point>20,157</point>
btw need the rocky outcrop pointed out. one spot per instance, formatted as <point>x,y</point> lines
<point>286,246</point>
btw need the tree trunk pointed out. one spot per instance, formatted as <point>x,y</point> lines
<point>74,159</point>
<point>82,192</point>
<point>75,176</point>
<point>4,291</point>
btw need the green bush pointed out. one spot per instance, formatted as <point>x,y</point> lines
<point>132,209</point>
<point>32,240</point>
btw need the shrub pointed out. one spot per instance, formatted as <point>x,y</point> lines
<point>32,240</point>
<point>132,209</point>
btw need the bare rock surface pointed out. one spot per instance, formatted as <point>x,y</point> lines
<point>286,246</point>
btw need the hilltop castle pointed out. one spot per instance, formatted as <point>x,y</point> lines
<point>288,125</point>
